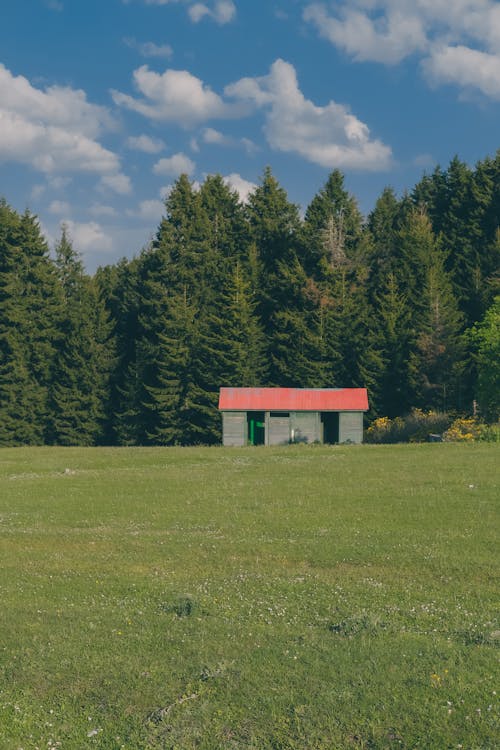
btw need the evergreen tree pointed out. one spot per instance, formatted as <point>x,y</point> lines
<point>82,367</point>
<point>290,324</point>
<point>439,353</point>
<point>382,229</point>
<point>18,392</point>
<point>396,378</point>
<point>245,343</point>
<point>29,305</point>
<point>332,227</point>
<point>485,338</point>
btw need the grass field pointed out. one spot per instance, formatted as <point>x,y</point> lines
<point>290,598</point>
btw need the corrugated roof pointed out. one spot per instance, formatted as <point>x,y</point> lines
<point>293,399</point>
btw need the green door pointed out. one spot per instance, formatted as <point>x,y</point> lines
<point>256,428</point>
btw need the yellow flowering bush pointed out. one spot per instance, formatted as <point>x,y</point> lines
<point>413,428</point>
<point>467,429</point>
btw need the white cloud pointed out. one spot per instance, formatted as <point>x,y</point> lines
<point>215,137</point>
<point>424,160</point>
<point>243,187</point>
<point>58,182</point>
<point>58,106</point>
<point>118,183</point>
<point>145,143</point>
<point>220,11</point>
<point>149,49</point>
<point>249,146</point>
<point>53,130</point>
<point>388,39</point>
<point>99,209</point>
<point>37,191</point>
<point>223,11</point>
<point>59,208</point>
<point>174,166</point>
<point>330,136</point>
<point>150,210</point>
<point>458,42</point>
<point>88,237</point>
<point>174,96</point>
<point>469,68</point>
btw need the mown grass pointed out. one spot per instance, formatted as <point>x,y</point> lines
<point>289,598</point>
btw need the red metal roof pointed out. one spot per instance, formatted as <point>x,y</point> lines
<point>293,399</point>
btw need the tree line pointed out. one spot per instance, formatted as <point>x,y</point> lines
<point>405,303</point>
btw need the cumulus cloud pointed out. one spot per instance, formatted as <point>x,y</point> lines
<point>220,11</point>
<point>387,39</point>
<point>53,130</point>
<point>457,42</point>
<point>118,183</point>
<point>243,187</point>
<point>466,67</point>
<point>59,208</point>
<point>37,191</point>
<point>100,209</point>
<point>88,237</point>
<point>174,166</point>
<point>146,144</point>
<point>215,137</point>
<point>223,11</point>
<point>330,136</point>
<point>150,210</point>
<point>149,49</point>
<point>174,96</point>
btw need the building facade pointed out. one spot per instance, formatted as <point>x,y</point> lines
<point>276,416</point>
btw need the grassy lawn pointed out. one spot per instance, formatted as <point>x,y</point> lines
<point>289,598</point>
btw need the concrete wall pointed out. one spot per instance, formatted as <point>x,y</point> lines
<point>351,426</point>
<point>234,428</point>
<point>305,426</point>
<point>277,429</point>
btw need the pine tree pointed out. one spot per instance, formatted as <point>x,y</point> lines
<point>29,305</point>
<point>288,316</point>
<point>83,363</point>
<point>332,227</point>
<point>486,342</point>
<point>439,353</point>
<point>396,378</point>
<point>382,229</point>
<point>245,344</point>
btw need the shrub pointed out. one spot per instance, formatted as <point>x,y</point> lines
<point>413,428</point>
<point>468,429</point>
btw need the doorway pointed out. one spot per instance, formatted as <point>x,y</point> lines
<point>330,421</point>
<point>256,428</point>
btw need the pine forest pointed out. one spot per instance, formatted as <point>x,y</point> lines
<point>405,302</point>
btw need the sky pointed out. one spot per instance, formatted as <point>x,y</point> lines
<point>103,103</point>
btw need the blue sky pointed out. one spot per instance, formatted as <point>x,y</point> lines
<point>104,102</point>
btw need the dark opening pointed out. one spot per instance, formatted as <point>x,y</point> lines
<point>330,421</point>
<point>256,427</point>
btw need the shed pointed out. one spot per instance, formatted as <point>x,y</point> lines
<point>275,416</point>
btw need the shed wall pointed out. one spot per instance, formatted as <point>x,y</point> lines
<point>234,428</point>
<point>351,427</point>
<point>278,429</point>
<point>306,426</point>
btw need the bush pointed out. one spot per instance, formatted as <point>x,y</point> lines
<point>413,428</point>
<point>469,429</point>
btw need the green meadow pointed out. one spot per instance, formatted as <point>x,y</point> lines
<point>304,597</point>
